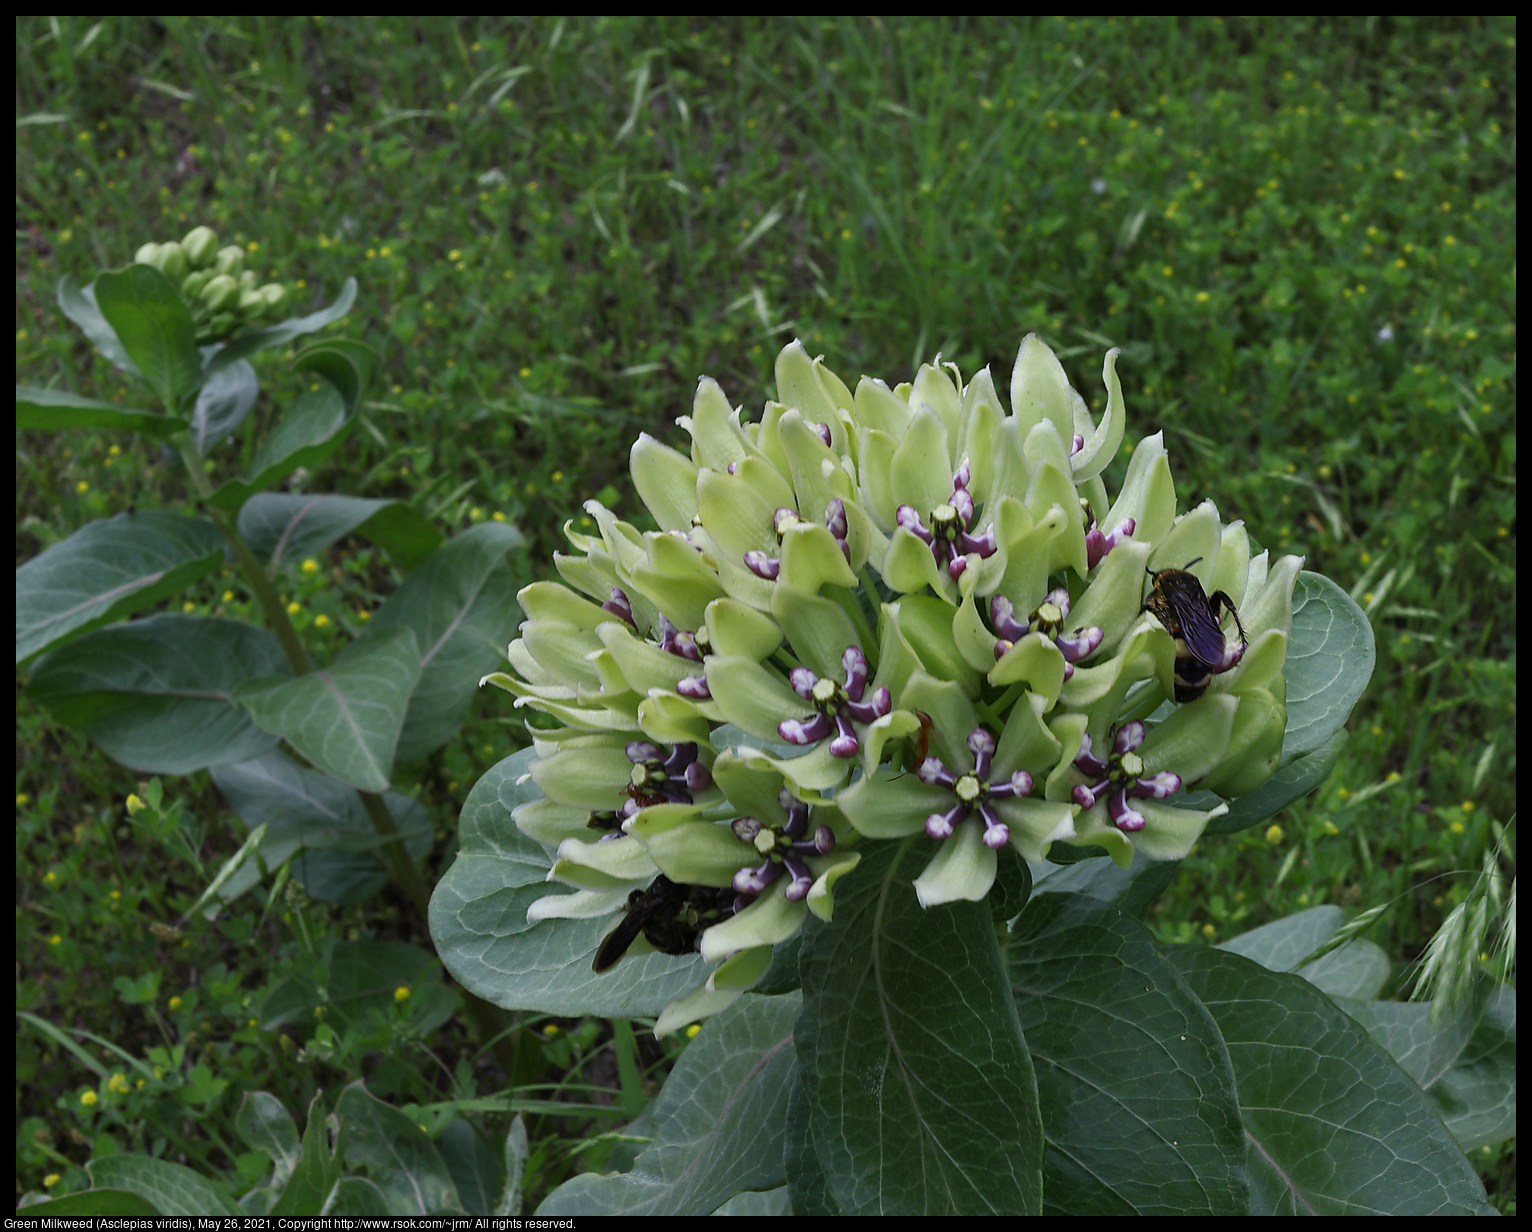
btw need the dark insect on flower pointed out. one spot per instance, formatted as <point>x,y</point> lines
<point>1192,617</point>
<point>670,916</point>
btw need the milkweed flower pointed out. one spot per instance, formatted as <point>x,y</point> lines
<point>905,613</point>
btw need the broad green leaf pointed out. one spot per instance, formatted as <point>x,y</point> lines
<point>52,409</point>
<point>157,694</point>
<point>403,532</point>
<point>264,1125</point>
<point>285,331</point>
<point>396,1154</point>
<point>1290,782</point>
<point>345,718</point>
<point>79,305</point>
<point>171,1188</point>
<point>223,403</point>
<point>1334,1126</point>
<point>1466,1065</point>
<point>1358,969</point>
<point>107,570</point>
<point>154,328</point>
<point>1330,659</point>
<point>320,824</point>
<point>281,527</point>
<point>718,1122</point>
<point>515,1159</point>
<point>308,433</point>
<point>1148,1125</point>
<point>112,1203</point>
<point>317,1170</point>
<point>807,1185</point>
<point>344,362</point>
<point>475,1169</point>
<point>479,921</point>
<point>355,1197</point>
<point>461,603</point>
<point>922,1093</point>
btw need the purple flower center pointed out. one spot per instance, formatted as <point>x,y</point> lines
<point>974,791</point>
<point>836,706</point>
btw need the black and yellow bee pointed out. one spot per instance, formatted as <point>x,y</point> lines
<point>1192,617</point>
<point>670,916</point>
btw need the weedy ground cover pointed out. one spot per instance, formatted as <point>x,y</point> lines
<point>1300,233</point>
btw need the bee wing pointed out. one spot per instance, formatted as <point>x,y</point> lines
<point>1199,628</point>
<point>616,942</point>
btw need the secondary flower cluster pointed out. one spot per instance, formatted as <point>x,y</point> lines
<point>219,291</point>
<point>875,615</point>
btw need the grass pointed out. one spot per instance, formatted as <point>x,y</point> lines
<point>1301,233</point>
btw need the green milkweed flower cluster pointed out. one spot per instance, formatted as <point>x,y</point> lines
<point>218,290</point>
<point>868,616</point>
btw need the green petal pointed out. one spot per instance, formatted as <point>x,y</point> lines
<point>1114,597</point>
<point>696,1005</point>
<point>925,623</point>
<point>743,971</point>
<point>821,898</point>
<point>1195,534</point>
<point>933,388</point>
<point>751,697</point>
<point>876,476</point>
<point>799,387</point>
<point>818,629</point>
<point>921,471</point>
<point>750,787</point>
<point>1148,493</point>
<point>1040,392</point>
<point>878,407</point>
<point>909,566</point>
<point>550,823</point>
<point>717,437</point>
<point>811,558</point>
<point>589,778</point>
<point>962,870</point>
<point>672,719</point>
<point>814,771</point>
<point>695,852</point>
<point>1067,729</point>
<point>603,865</point>
<point>1036,661</point>
<point>981,415</point>
<point>1101,444</point>
<point>666,482</point>
<point>1026,743</point>
<point>816,469</point>
<point>676,579</point>
<point>1035,824</point>
<point>768,920</point>
<point>1255,746</point>
<point>581,905</point>
<point>737,629</point>
<point>1192,739</point>
<point>886,805</point>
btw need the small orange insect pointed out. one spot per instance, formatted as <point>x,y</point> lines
<point>922,742</point>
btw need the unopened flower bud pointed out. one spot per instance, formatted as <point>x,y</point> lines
<point>192,284</point>
<point>201,245</point>
<point>273,296</point>
<point>172,261</point>
<point>230,260</point>
<point>221,293</point>
<point>147,254</point>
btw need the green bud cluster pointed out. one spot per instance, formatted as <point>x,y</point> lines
<point>877,614</point>
<point>223,297</point>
